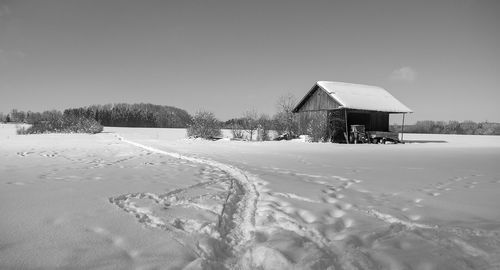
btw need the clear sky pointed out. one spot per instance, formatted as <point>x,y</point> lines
<point>440,58</point>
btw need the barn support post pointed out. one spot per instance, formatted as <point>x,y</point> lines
<point>403,128</point>
<point>346,127</point>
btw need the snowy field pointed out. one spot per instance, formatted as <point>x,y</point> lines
<point>132,198</point>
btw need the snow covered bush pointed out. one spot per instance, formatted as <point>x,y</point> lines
<point>237,131</point>
<point>265,125</point>
<point>204,125</point>
<point>315,125</point>
<point>63,124</point>
<point>317,128</point>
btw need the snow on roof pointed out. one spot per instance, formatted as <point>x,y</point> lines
<point>363,97</point>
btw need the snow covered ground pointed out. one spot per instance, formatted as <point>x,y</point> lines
<point>132,198</point>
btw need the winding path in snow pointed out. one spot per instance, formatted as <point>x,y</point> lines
<point>236,221</point>
<point>237,240</point>
<point>254,228</point>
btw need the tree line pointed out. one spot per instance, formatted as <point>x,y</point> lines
<point>134,115</point>
<point>29,117</point>
<point>450,127</point>
<point>117,115</point>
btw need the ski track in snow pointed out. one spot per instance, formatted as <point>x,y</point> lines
<point>235,215</point>
<point>241,224</point>
<point>234,235</point>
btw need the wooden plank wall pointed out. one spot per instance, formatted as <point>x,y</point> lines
<point>319,100</point>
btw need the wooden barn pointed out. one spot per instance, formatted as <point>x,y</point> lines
<point>347,111</point>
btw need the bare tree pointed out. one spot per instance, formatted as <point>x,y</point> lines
<point>286,103</point>
<point>250,122</point>
<point>284,118</point>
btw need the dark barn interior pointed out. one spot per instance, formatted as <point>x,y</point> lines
<point>376,121</point>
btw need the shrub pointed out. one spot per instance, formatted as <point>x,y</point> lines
<point>205,126</point>
<point>237,131</point>
<point>265,125</point>
<point>63,124</point>
<point>317,127</point>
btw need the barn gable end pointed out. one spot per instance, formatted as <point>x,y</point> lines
<point>317,100</point>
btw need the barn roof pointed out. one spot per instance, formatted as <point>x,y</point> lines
<point>359,96</point>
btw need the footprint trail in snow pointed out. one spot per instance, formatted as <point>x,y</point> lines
<point>230,219</point>
<point>217,219</point>
<point>220,210</point>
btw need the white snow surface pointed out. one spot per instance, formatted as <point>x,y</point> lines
<point>138,198</point>
<point>363,97</point>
